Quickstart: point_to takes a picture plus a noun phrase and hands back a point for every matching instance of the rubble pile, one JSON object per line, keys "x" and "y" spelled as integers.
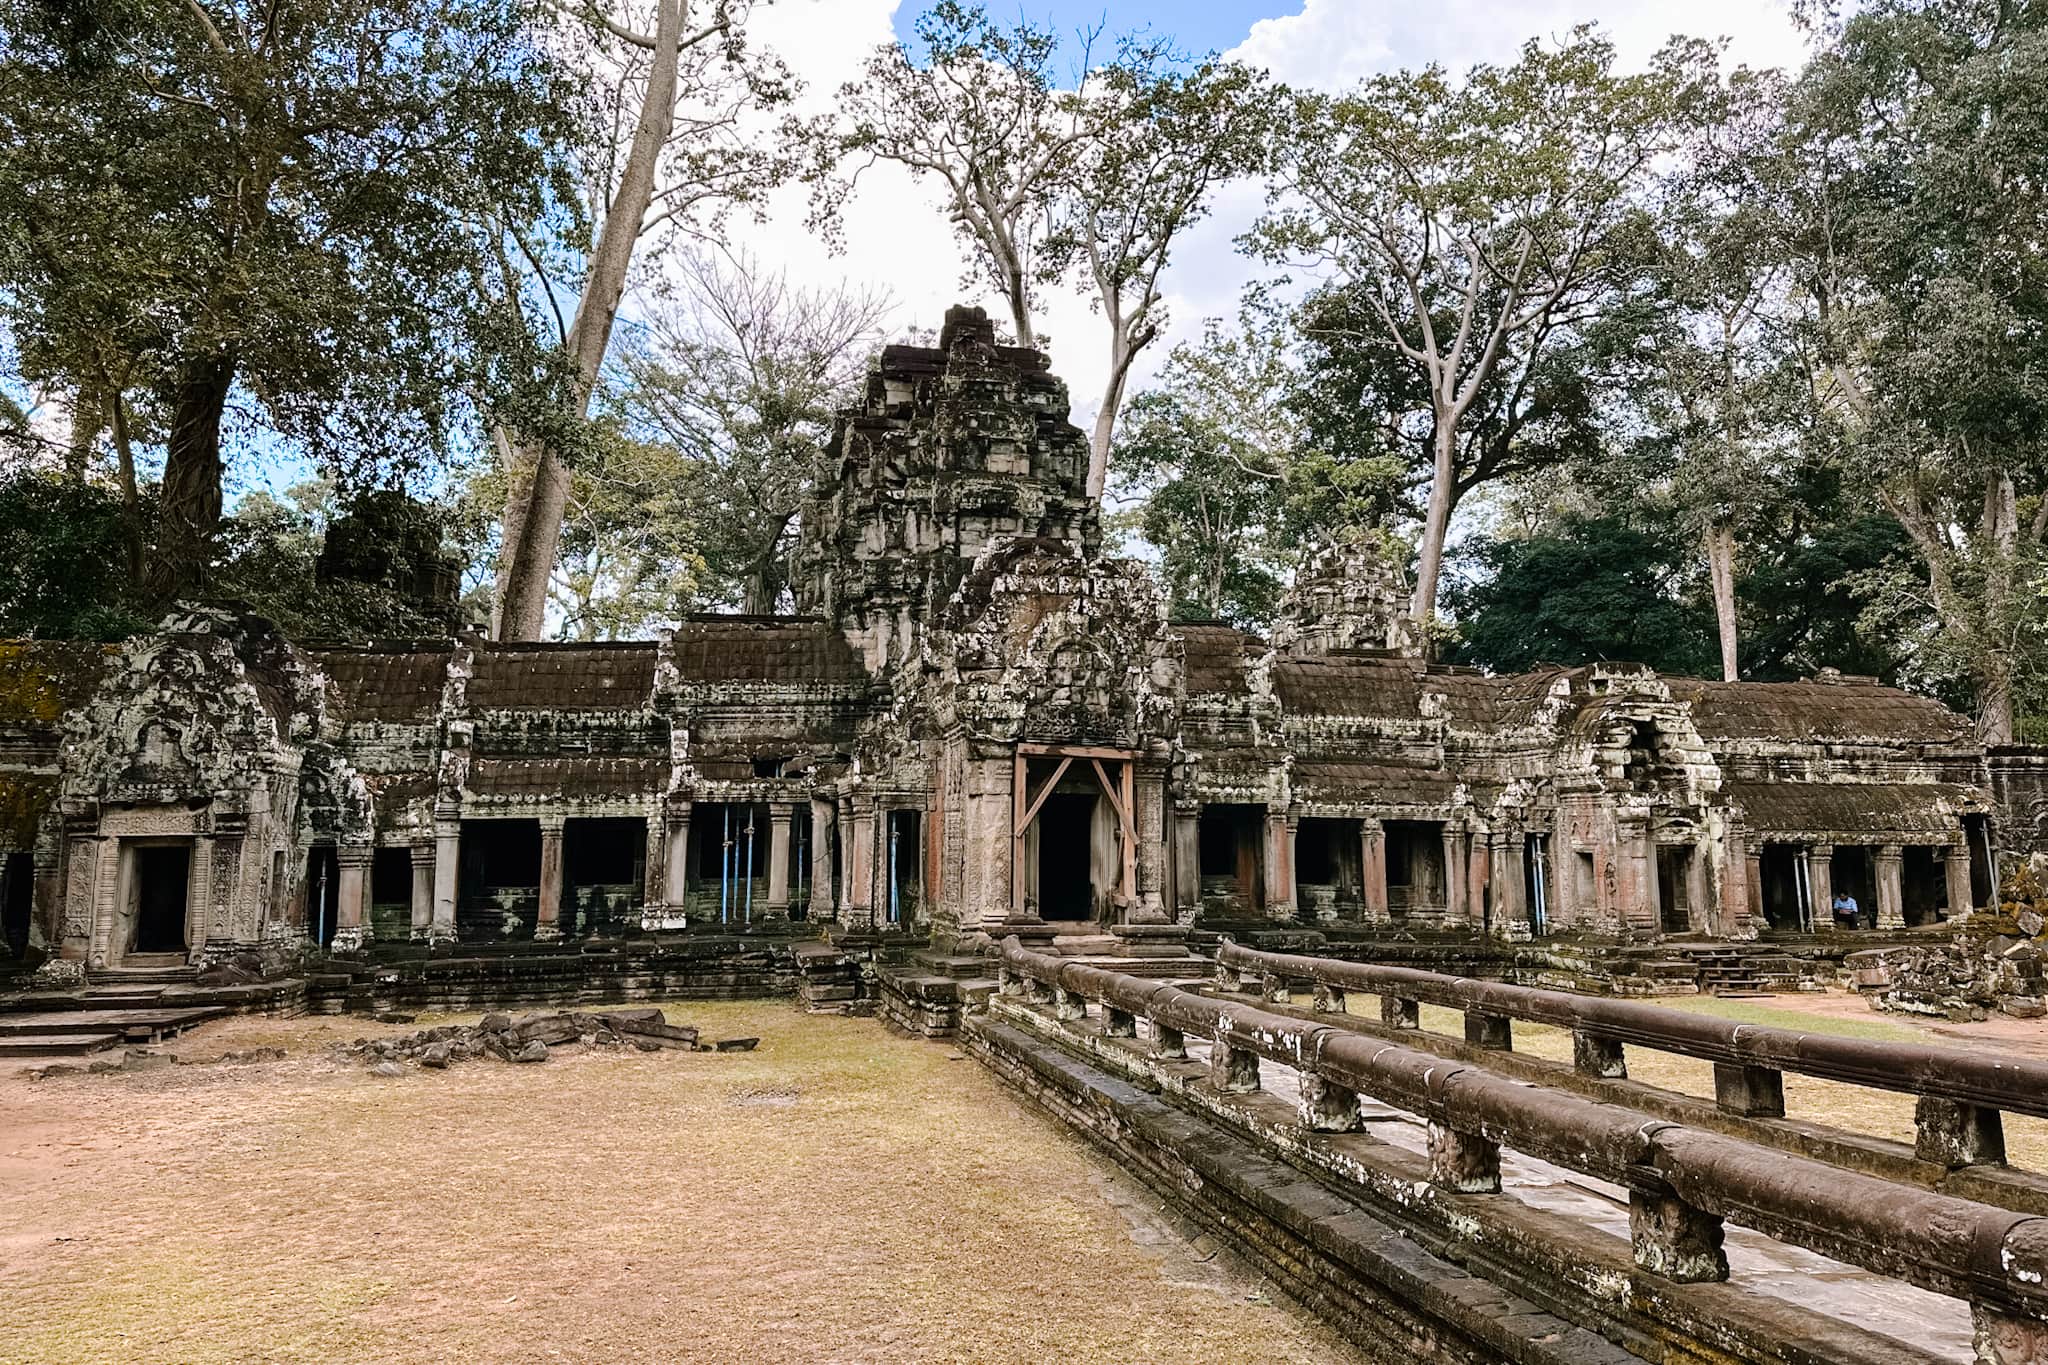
{"x": 528, "y": 1038}
{"x": 1994, "y": 965}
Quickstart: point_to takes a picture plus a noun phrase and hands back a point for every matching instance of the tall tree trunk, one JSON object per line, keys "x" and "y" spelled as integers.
{"x": 530, "y": 549}
{"x": 192, "y": 470}
{"x": 1436, "y": 523}
{"x": 88, "y": 420}
{"x": 1721, "y": 569}
{"x": 1995, "y": 721}
{"x": 131, "y": 499}
{"x": 1121, "y": 354}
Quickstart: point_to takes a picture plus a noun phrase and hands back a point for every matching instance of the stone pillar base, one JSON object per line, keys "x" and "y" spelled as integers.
{"x": 59, "y": 973}
{"x": 350, "y": 938}
{"x": 546, "y": 933}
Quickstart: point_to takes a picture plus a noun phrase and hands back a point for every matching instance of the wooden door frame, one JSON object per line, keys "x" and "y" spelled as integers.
{"x": 1120, "y": 789}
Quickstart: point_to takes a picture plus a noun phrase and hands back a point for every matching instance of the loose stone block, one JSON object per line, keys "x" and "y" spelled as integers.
{"x": 1673, "y": 1239}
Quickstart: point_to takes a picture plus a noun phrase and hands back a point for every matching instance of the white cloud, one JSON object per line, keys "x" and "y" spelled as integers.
{"x": 897, "y": 236}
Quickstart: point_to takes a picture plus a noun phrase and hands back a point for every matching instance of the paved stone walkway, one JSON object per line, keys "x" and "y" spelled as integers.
{"x": 1876, "y": 1303}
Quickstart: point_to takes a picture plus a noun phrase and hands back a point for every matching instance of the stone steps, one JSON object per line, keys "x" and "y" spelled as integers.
{"x": 56, "y": 1044}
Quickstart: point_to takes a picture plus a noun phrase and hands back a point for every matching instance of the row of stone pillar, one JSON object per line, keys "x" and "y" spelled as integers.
{"x": 1888, "y": 864}
{"x": 436, "y": 867}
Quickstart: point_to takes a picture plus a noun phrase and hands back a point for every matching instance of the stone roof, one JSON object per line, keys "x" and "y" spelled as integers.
{"x": 1217, "y": 656}
{"x": 1866, "y": 812}
{"x": 563, "y": 677}
{"x": 390, "y": 684}
{"x": 1349, "y": 685}
{"x": 1851, "y": 709}
{"x": 764, "y": 649}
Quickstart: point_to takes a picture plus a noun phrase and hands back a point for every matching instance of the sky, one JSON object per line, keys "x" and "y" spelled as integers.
{"x": 897, "y": 237}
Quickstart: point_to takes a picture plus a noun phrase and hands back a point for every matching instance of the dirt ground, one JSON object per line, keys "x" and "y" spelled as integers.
{"x": 838, "y": 1194}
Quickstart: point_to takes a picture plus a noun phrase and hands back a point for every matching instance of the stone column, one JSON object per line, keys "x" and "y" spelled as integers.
{"x": 842, "y": 816}
{"x": 106, "y": 889}
{"x": 1372, "y": 870}
{"x": 447, "y": 868}
{"x": 1635, "y": 879}
{"x": 1148, "y": 793}
{"x": 675, "y": 877}
{"x": 1955, "y": 866}
{"x": 821, "y": 859}
{"x": 1508, "y": 877}
{"x": 860, "y": 817}
{"x": 1820, "y": 869}
{"x": 422, "y": 888}
{"x": 654, "y": 865}
{"x": 1479, "y": 876}
{"x": 199, "y": 897}
{"x": 1891, "y": 904}
{"x": 1279, "y": 865}
{"x": 351, "y": 897}
{"x": 1187, "y": 859}
{"x": 1457, "y": 911}
{"x": 780, "y": 816}
{"x": 1738, "y": 906}
{"x": 547, "y": 924}
{"x": 1753, "y": 883}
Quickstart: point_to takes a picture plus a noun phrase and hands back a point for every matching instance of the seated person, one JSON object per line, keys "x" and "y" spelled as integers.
{"x": 1845, "y": 910}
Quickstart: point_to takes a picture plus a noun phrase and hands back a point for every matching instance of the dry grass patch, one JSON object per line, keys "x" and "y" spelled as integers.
{"x": 839, "y": 1194}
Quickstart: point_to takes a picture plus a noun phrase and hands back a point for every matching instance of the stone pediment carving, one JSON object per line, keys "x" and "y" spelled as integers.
{"x": 179, "y": 716}
{"x": 1042, "y": 643}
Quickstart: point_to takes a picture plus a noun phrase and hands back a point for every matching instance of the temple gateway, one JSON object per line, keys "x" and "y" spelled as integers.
{"x": 976, "y": 721}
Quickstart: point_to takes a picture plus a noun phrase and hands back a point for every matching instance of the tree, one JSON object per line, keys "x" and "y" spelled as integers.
{"x": 62, "y": 544}
{"x": 1921, "y": 143}
{"x": 1099, "y": 177}
{"x": 742, "y": 377}
{"x": 690, "y": 97}
{"x": 1165, "y": 139}
{"x": 1205, "y": 455}
{"x": 1584, "y": 589}
{"x": 225, "y": 217}
{"x": 1487, "y": 221}
{"x": 1719, "y": 382}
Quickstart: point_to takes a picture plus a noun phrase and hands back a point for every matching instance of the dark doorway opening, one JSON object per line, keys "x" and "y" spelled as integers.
{"x": 604, "y": 873}
{"x": 1232, "y": 868}
{"x": 498, "y": 891}
{"x": 1416, "y": 881}
{"x": 163, "y": 881}
{"x": 1977, "y": 835}
{"x": 1674, "y": 888}
{"x": 1784, "y": 887}
{"x": 391, "y": 893}
{"x": 17, "y": 901}
{"x": 1855, "y": 873}
{"x": 323, "y": 892}
{"x": 1329, "y": 865}
{"x": 1923, "y": 885}
{"x": 1066, "y": 887}
{"x": 905, "y": 852}
{"x": 730, "y": 858}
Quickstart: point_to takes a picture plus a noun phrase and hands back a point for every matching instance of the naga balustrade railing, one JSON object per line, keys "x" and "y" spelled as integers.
{"x": 1962, "y": 1094}
{"x": 1683, "y": 1182}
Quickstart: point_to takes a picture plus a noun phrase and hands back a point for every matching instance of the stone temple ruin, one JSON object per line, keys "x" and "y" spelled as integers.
{"x": 977, "y": 724}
